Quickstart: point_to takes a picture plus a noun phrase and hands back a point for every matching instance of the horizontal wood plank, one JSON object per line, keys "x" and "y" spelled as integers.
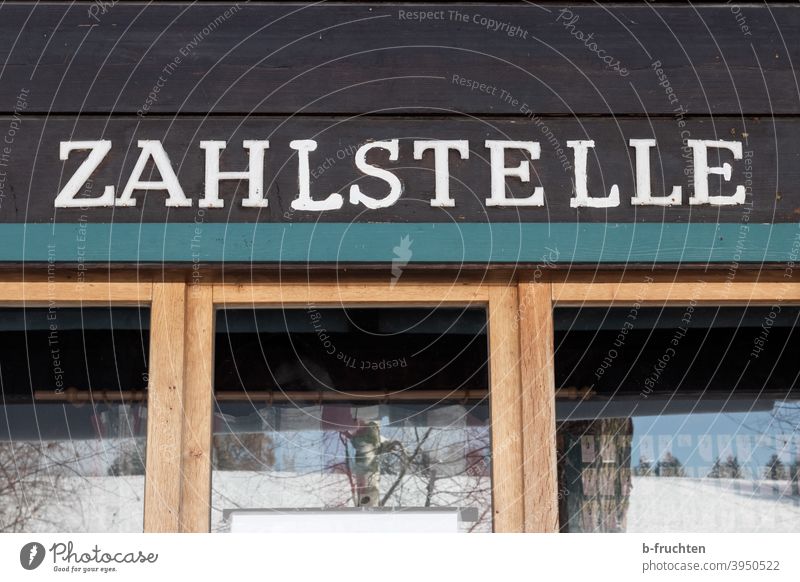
{"x": 347, "y": 294}
{"x": 163, "y": 58}
{"x": 81, "y": 293}
{"x": 647, "y": 291}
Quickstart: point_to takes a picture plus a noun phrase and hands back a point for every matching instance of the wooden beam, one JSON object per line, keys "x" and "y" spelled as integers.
{"x": 506, "y": 406}
{"x": 165, "y": 409}
{"x": 74, "y": 292}
{"x": 72, "y": 395}
{"x": 348, "y": 294}
{"x": 645, "y": 289}
{"x": 195, "y": 510}
{"x": 538, "y": 407}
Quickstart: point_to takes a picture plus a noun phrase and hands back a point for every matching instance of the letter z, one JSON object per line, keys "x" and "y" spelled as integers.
{"x": 98, "y": 151}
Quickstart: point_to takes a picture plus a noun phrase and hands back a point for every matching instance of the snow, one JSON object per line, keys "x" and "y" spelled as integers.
{"x": 657, "y": 504}
{"x": 675, "y": 504}
{"x": 88, "y": 504}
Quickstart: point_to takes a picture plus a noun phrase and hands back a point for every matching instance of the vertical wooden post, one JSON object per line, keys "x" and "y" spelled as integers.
{"x": 164, "y": 409}
{"x": 506, "y": 410}
{"x": 198, "y": 395}
{"x": 538, "y": 407}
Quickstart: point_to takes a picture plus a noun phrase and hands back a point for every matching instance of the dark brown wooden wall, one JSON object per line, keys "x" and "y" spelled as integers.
{"x": 345, "y": 73}
{"x": 369, "y": 58}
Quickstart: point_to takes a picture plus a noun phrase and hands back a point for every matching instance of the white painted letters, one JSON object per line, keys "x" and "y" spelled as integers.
{"x": 702, "y": 172}
{"x": 169, "y": 181}
{"x": 98, "y": 151}
{"x": 441, "y": 165}
{"x": 497, "y": 161}
{"x": 581, "y": 197}
{"x": 254, "y": 174}
{"x": 395, "y": 187}
{"x": 303, "y": 200}
{"x": 644, "y": 195}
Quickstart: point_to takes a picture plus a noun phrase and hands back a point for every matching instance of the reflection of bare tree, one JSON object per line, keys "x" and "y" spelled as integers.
{"x": 439, "y": 466}
{"x": 91, "y": 485}
{"x": 130, "y": 459}
{"x": 243, "y": 452}
{"x": 779, "y": 432}
{"x": 413, "y": 460}
{"x": 394, "y": 466}
{"x": 787, "y": 413}
{"x": 786, "y": 416}
{"x": 369, "y": 460}
{"x": 26, "y": 484}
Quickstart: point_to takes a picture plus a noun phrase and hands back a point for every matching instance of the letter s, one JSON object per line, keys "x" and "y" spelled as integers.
{"x": 395, "y": 187}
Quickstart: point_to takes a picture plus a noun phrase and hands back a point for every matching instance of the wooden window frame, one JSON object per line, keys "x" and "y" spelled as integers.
{"x": 521, "y": 351}
{"x": 168, "y": 303}
{"x": 180, "y": 372}
{"x": 541, "y": 293}
{"x": 500, "y": 302}
{"x": 89, "y": 292}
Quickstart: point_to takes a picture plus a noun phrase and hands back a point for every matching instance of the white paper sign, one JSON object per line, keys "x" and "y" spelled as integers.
{"x": 440, "y": 520}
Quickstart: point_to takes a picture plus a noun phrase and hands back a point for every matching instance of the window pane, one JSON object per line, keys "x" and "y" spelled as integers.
{"x": 686, "y": 419}
{"x": 73, "y": 419}
{"x": 332, "y": 409}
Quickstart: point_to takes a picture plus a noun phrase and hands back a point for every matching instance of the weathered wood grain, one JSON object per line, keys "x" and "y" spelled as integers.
{"x": 159, "y": 58}
{"x": 195, "y": 507}
{"x": 537, "y": 368}
{"x": 508, "y": 488}
{"x": 165, "y": 403}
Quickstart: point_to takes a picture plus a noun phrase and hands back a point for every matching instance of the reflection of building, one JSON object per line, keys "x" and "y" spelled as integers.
{"x": 595, "y": 475}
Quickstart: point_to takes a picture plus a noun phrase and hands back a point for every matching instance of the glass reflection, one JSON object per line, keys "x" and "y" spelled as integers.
{"x": 341, "y": 455}
{"x": 703, "y": 472}
{"x": 72, "y": 468}
{"x": 334, "y": 409}
{"x": 73, "y": 419}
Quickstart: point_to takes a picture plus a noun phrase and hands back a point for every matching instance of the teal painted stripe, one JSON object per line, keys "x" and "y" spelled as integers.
{"x": 381, "y": 243}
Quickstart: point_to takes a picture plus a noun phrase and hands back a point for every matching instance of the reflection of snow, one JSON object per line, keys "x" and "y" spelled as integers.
{"x": 443, "y": 463}
{"x": 89, "y": 504}
{"x": 114, "y": 504}
{"x": 657, "y": 504}
{"x": 70, "y": 486}
{"x": 669, "y": 504}
{"x": 254, "y": 490}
